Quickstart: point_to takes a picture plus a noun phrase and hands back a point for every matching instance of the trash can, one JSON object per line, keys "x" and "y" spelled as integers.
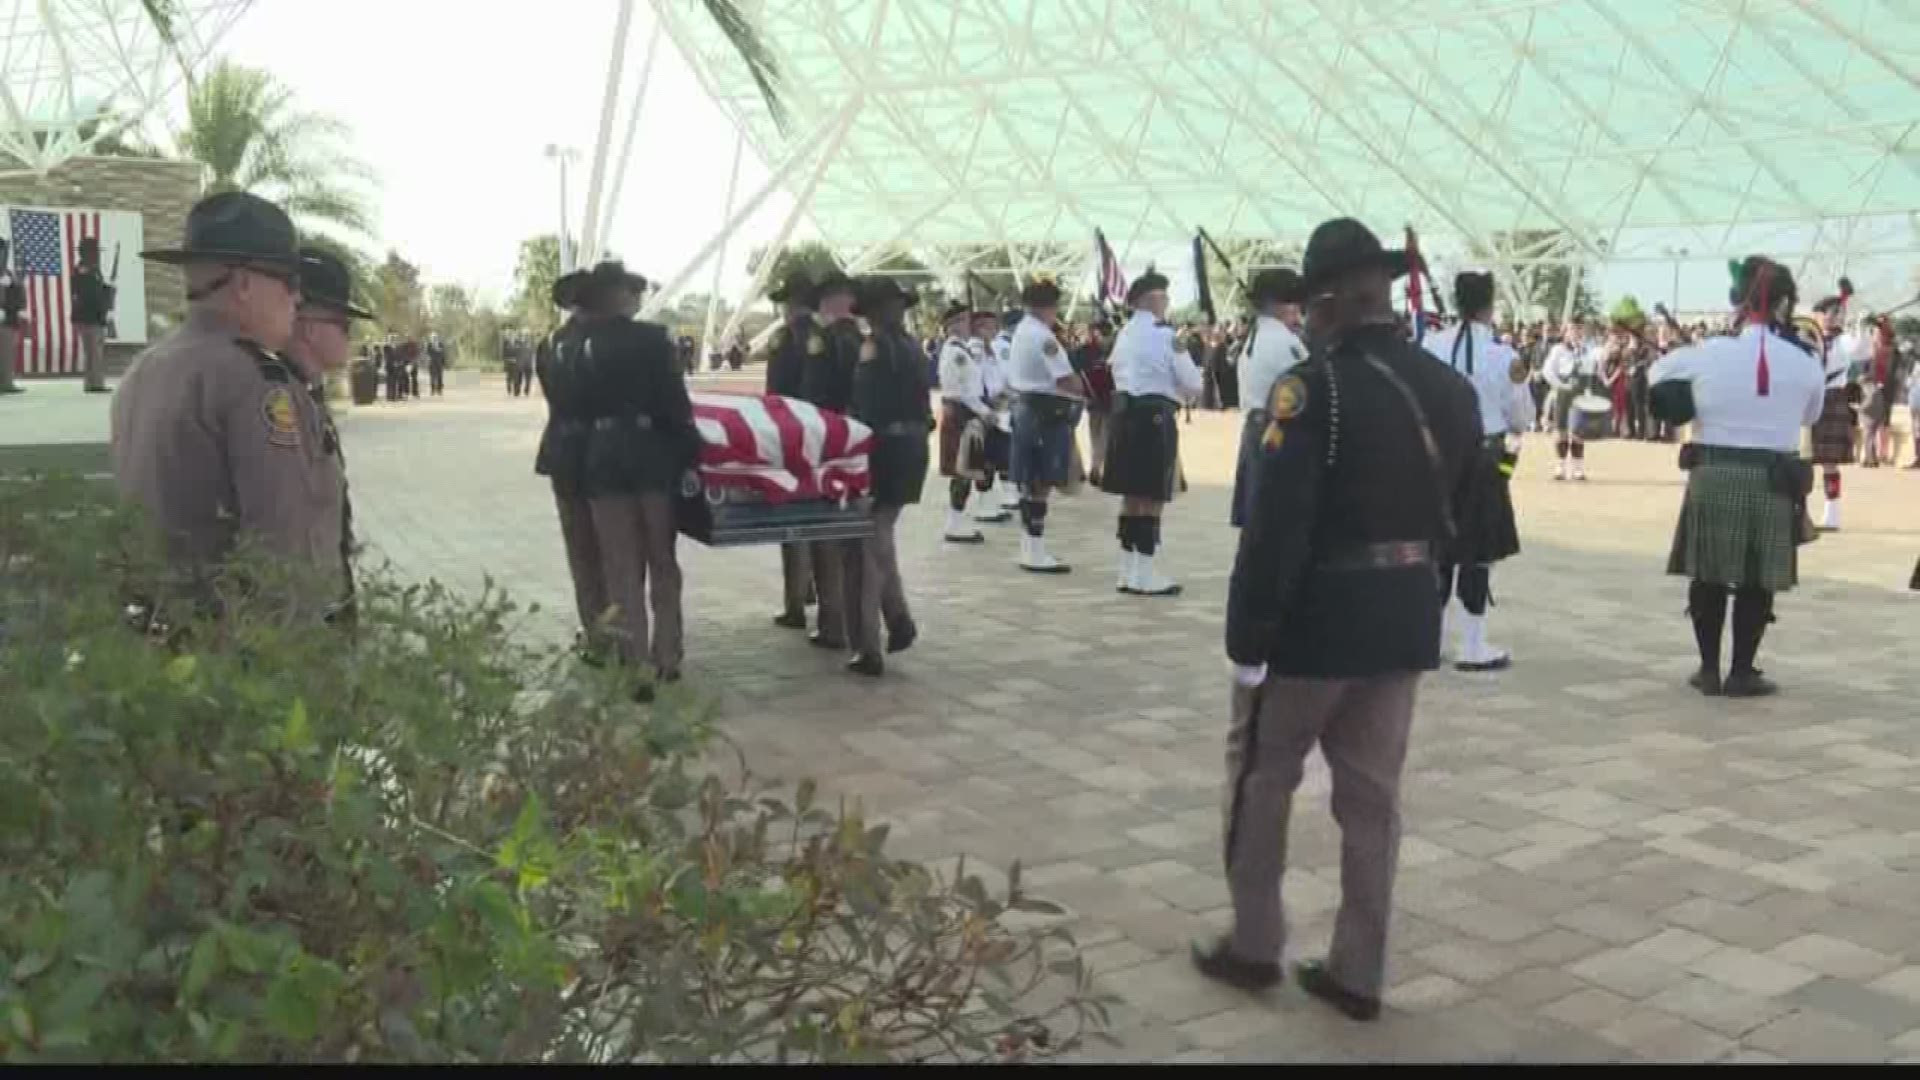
{"x": 366, "y": 384}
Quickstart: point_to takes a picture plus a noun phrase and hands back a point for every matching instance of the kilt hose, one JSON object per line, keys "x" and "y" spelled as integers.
{"x": 1737, "y": 528}
{"x": 1143, "y": 449}
{"x": 1833, "y": 433}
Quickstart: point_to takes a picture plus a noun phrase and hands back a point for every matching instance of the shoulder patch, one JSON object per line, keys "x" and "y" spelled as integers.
{"x": 1051, "y": 348}
{"x": 283, "y": 421}
{"x": 1517, "y": 371}
{"x": 1274, "y": 437}
{"x": 816, "y": 343}
{"x": 868, "y": 351}
{"x": 1288, "y": 399}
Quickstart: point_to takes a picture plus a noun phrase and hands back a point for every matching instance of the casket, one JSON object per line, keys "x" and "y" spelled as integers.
{"x": 773, "y": 470}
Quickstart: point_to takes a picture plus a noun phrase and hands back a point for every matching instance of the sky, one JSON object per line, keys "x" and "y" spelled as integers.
{"x": 453, "y": 103}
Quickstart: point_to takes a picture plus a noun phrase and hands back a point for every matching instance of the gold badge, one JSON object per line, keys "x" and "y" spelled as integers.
{"x": 1289, "y": 397}
{"x": 283, "y": 422}
{"x": 1051, "y": 348}
{"x": 816, "y": 345}
{"x": 1274, "y": 436}
{"x": 1517, "y": 371}
{"x": 868, "y": 352}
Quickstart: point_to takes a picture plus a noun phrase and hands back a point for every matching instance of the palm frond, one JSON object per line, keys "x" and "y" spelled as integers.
{"x": 745, "y": 38}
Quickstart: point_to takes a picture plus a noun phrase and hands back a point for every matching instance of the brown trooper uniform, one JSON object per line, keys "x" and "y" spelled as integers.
{"x": 797, "y": 340}
{"x": 215, "y": 436}
{"x": 562, "y": 458}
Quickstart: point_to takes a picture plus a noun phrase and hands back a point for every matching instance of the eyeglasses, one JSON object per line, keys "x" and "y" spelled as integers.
{"x": 289, "y": 279}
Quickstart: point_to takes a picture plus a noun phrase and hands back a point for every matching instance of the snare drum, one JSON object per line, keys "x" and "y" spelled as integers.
{"x": 1591, "y": 417}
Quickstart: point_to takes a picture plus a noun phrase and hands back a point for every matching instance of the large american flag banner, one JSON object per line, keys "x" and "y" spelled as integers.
{"x": 1112, "y": 286}
{"x": 780, "y": 448}
{"x": 46, "y": 247}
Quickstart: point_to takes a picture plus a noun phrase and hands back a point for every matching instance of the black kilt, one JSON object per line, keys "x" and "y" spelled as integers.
{"x": 898, "y": 463}
{"x": 1488, "y": 532}
{"x": 1143, "y": 447}
{"x": 1833, "y": 433}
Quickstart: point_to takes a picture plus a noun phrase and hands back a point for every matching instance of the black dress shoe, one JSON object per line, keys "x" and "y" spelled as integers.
{"x": 821, "y": 641}
{"x": 99, "y": 389}
{"x": 903, "y": 640}
{"x": 867, "y": 664}
{"x": 1315, "y": 979}
{"x": 1706, "y": 680}
{"x": 1748, "y": 683}
{"x": 1218, "y": 963}
{"x": 790, "y": 620}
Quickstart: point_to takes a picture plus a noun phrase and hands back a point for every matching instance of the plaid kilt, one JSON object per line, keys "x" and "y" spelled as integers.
{"x": 1833, "y": 433}
{"x": 953, "y": 426}
{"x": 1143, "y": 445}
{"x": 1736, "y": 528}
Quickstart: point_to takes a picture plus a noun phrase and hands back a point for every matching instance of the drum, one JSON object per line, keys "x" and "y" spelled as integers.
{"x": 1591, "y": 417}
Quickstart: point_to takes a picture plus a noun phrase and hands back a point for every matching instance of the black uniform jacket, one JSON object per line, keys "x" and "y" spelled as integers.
{"x": 788, "y": 354}
{"x": 92, "y": 298}
{"x": 827, "y": 379}
{"x": 890, "y": 395}
{"x": 641, "y": 436}
{"x": 560, "y": 367}
{"x": 1345, "y": 469}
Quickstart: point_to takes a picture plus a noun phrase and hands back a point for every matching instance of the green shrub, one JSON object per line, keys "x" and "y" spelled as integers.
{"x": 429, "y": 839}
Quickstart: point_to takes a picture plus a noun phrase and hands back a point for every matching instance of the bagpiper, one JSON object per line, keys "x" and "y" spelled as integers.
{"x": 1152, "y": 377}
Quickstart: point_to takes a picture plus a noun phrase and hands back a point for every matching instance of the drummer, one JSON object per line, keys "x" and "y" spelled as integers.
{"x": 1273, "y": 348}
{"x": 1570, "y": 371}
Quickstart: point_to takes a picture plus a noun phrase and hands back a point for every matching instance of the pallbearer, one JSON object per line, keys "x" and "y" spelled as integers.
{"x": 962, "y": 402}
{"x": 1273, "y": 349}
{"x": 1486, "y": 532}
{"x": 1152, "y": 377}
{"x": 795, "y": 342}
{"x": 1050, "y": 397}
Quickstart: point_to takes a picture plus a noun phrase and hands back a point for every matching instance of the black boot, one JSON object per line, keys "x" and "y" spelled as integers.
{"x": 867, "y": 664}
{"x": 1217, "y": 962}
{"x": 1707, "y": 607}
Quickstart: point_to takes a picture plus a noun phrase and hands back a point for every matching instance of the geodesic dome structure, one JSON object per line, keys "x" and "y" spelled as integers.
{"x": 65, "y": 63}
{"x": 1509, "y": 132}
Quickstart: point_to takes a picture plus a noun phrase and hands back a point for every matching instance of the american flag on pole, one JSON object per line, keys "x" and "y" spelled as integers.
{"x": 46, "y": 247}
{"x": 1113, "y": 281}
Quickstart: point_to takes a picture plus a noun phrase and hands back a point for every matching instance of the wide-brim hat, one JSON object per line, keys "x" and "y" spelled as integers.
{"x": 613, "y": 274}
{"x": 797, "y": 287}
{"x": 1040, "y": 294}
{"x": 326, "y": 282}
{"x": 831, "y": 282}
{"x": 234, "y": 226}
{"x": 1276, "y": 284}
{"x": 871, "y": 294}
{"x": 1151, "y": 281}
{"x": 566, "y": 289}
{"x": 1343, "y": 246}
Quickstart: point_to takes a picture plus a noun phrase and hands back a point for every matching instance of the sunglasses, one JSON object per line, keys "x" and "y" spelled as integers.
{"x": 290, "y": 279}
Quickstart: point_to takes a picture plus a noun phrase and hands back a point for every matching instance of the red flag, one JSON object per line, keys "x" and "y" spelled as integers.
{"x": 1416, "y": 311}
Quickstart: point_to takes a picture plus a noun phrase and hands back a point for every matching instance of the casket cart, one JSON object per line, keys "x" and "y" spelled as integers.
{"x": 775, "y": 470}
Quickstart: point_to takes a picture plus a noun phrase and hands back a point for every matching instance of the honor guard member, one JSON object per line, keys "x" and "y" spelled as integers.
{"x": 1273, "y": 349}
{"x": 1000, "y": 500}
{"x": 562, "y": 459}
{"x": 322, "y": 343}
{"x": 213, "y": 434}
{"x": 1152, "y": 377}
{"x": 1332, "y": 613}
{"x": 828, "y": 383}
{"x": 1569, "y": 370}
{"x": 963, "y": 400}
{"x": 1833, "y": 433}
{"x": 13, "y": 300}
{"x": 92, "y": 308}
{"x": 890, "y": 396}
{"x": 640, "y": 444}
{"x": 1487, "y": 533}
{"x": 1044, "y": 415}
{"x": 436, "y": 364}
{"x": 795, "y": 343}
{"x": 1747, "y": 396}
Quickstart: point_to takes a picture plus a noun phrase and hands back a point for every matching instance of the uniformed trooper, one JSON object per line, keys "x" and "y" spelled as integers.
{"x": 562, "y": 459}
{"x": 889, "y": 396}
{"x": 1747, "y": 397}
{"x": 1273, "y": 348}
{"x": 1045, "y": 413}
{"x": 92, "y": 308}
{"x": 963, "y": 402}
{"x": 1488, "y": 532}
{"x": 795, "y": 342}
{"x": 827, "y": 382}
{"x": 1332, "y": 614}
{"x": 1152, "y": 377}
{"x": 213, "y": 433}
{"x": 436, "y": 364}
{"x": 13, "y": 301}
{"x": 640, "y": 444}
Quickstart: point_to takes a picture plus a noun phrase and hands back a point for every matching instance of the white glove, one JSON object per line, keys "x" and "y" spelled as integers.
{"x": 1249, "y": 675}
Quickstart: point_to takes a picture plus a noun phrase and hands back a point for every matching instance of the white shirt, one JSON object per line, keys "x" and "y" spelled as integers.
{"x": 961, "y": 378}
{"x": 1036, "y": 359}
{"x": 1272, "y": 350}
{"x": 1842, "y": 352}
{"x": 1148, "y": 362}
{"x": 1728, "y": 409}
{"x": 1566, "y": 366}
{"x": 1491, "y": 374}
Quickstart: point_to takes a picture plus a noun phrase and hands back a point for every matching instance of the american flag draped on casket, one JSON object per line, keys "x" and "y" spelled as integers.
{"x": 778, "y": 449}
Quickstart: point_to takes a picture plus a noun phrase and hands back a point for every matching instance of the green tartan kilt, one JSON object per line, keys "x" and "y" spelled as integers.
{"x": 1736, "y": 528}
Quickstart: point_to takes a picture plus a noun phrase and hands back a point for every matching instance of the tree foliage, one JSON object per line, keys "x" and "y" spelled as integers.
{"x": 237, "y": 835}
{"x": 534, "y": 273}
{"x": 399, "y": 298}
{"x": 243, "y": 126}
{"x": 811, "y": 256}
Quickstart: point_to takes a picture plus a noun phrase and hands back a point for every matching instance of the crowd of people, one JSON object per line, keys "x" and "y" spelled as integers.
{"x": 396, "y": 363}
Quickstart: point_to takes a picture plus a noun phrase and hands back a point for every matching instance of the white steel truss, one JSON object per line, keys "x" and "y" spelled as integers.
{"x": 1508, "y": 132}
{"x": 67, "y": 64}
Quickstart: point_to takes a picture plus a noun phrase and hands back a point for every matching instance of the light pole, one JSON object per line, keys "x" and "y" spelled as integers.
{"x": 1673, "y": 299}
{"x": 563, "y": 154}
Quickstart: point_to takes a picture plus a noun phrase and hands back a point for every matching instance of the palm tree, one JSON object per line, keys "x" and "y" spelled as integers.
{"x": 753, "y": 52}
{"x": 242, "y": 125}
